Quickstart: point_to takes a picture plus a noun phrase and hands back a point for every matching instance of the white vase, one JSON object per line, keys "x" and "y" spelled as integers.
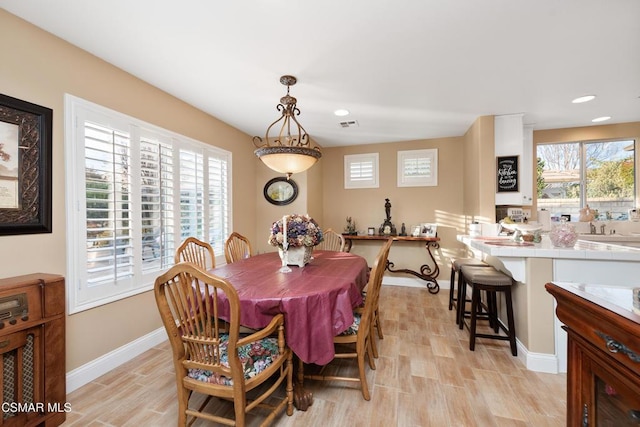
{"x": 299, "y": 255}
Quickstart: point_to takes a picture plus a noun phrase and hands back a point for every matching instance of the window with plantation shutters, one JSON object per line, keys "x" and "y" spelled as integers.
{"x": 135, "y": 192}
{"x": 107, "y": 170}
{"x": 418, "y": 168}
{"x": 218, "y": 205}
{"x": 361, "y": 171}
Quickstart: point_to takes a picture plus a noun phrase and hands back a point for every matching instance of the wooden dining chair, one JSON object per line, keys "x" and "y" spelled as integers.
{"x": 356, "y": 342}
{"x": 237, "y": 247}
{"x": 331, "y": 241}
{"x": 212, "y": 362}
{"x": 196, "y": 251}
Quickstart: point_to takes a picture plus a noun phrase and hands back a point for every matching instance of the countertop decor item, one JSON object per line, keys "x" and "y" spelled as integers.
{"x": 563, "y": 235}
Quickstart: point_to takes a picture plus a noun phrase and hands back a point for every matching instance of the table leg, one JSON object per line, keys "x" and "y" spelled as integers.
{"x": 302, "y": 399}
{"x": 426, "y": 272}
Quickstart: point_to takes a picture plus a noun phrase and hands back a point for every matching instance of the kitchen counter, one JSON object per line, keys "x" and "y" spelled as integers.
{"x": 585, "y": 248}
{"x": 541, "y": 341}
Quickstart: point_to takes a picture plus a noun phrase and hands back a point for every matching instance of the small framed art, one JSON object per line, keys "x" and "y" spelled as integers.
{"x": 428, "y": 229}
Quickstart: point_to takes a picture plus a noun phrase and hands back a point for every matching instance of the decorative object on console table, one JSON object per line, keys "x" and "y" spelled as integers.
{"x": 507, "y": 174}
{"x": 428, "y": 229}
{"x": 350, "y": 228}
{"x": 25, "y": 167}
{"x": 387, "y": 228}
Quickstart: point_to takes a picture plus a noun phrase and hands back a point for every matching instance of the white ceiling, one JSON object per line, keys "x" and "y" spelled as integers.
{"x": 406, "y": 70}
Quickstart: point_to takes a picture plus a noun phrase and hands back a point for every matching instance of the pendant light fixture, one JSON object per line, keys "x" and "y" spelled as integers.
{"x": 286, "y": 147}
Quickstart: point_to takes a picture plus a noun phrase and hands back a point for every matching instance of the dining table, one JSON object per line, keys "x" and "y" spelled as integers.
{"x": 317, "y": 300}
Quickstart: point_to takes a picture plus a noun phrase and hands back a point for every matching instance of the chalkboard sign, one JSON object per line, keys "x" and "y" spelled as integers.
{"x": 507, "y": 175}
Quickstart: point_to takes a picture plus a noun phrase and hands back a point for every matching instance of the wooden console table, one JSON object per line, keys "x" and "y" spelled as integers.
{"x": 427, "y": 272}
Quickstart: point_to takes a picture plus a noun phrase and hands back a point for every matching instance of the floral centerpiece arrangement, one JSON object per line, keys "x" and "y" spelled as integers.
{"x": 302, "y": 230}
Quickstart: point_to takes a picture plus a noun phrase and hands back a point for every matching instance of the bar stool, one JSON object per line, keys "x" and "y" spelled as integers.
{"x": 491, "y": 281}
{"x": 456, "y": 263}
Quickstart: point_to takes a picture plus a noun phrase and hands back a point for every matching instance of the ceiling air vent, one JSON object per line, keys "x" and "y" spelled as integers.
{"x": 349, "y": 124}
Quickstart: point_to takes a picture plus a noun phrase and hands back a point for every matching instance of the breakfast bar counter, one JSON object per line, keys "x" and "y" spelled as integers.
{"x": 541, "y": 341}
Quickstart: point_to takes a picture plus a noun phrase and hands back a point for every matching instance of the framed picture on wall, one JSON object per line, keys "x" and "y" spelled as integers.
{"x": 507, "y": 174}
{"x": 25, "y": 167}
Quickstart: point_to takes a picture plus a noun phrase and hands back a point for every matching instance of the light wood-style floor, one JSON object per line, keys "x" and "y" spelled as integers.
{"x": 425, "y": 376}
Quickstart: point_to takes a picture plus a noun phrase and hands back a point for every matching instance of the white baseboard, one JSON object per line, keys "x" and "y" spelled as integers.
{"x": 411, "y": 282}
{"x": 537, "y": 362}
{"x": 105, "y": 363}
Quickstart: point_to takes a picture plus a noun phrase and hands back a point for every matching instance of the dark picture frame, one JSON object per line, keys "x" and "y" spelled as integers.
{"x": 280, "y": 191}
{"x": 25, "y": 167}
{"x": 507, "y": 178}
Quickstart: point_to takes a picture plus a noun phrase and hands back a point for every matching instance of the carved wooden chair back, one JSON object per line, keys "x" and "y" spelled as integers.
{"x": 237, "y": 247}
{"x": 207, "y": 351}
{"x": 331, "y": 241}
{"x": 197, "y": 252}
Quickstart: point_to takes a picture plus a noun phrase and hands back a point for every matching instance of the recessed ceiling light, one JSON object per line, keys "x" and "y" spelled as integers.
{"x": 585, "y": 98}
{"x": 601, "y": 119}
{"x": 341, "y": 112}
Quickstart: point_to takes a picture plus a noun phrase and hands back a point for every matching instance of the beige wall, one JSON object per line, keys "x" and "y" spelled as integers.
{"x": 40, "y": 68}
{"x": 478, "y": 170}
{"x": 412, "y": 205}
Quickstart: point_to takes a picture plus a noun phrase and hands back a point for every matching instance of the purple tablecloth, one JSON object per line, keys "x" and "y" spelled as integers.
{"x": 317, "y": 300}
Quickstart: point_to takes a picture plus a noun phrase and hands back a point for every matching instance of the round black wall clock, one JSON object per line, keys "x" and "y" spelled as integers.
{"x": 280, "y": 191}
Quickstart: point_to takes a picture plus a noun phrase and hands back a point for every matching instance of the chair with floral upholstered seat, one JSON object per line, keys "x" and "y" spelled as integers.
{"x": 209, "y": 361}
{"x": 356, "y": 341}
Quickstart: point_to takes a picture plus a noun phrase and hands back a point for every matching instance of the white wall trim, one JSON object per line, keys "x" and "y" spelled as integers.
{"x": 107, "y": 362}
{"x": 411, "y": 282}
{"x": 537, "y": 362}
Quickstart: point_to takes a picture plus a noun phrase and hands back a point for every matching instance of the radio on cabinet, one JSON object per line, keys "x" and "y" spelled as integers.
{"x": 32, "y": 351}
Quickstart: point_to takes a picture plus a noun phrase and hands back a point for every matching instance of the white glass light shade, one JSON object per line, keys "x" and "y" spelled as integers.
{"x": 288, "y": 160}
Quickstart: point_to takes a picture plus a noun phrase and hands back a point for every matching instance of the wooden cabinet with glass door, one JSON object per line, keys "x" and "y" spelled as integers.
{"x": 603, "y": 372}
